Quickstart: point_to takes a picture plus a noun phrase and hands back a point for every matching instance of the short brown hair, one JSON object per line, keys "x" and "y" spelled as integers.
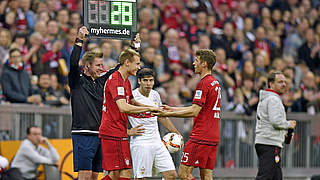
{"x": 272, "y": 76}
{"x": 89, "y": 56}
{"x": 127, "y": 54}
{"x": 145, "y": 72}
{"x": 207, "y": 55}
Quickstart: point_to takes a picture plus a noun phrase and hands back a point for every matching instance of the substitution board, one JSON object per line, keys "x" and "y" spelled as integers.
{"x": 114, "y": 19}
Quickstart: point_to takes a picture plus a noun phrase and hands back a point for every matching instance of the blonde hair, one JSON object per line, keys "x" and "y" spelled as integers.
{"x": 89, "y": 56}
{"x": 127, "y": 54}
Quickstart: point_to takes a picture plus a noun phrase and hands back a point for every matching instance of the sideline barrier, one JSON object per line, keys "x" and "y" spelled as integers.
{"x": 236, "y": 157}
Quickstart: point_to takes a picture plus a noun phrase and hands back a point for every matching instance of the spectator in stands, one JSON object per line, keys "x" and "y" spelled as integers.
{"x": 63, "y": 20}
{"x": 66, "y": 50}
{"x": 262, "y": 44}
{"x": 41, "y": 27}
{"x": 170, "y": 15}
{"x": 148, "y": 54}
{"x": 108, "y": 61}
{"x": 295, "y": 39}
{"x": 5, "y": 42}
{"x": 309, "y": 52}
{"x": 50, "y": 59}
{"x": 248, "y": 29}
{"x": 144, "y": 34}
{"x": 163, "y": 67}
{"x": 309, "y": 98}
{"x": 75, "y": 20}
{"x": 53, "y": 30}
{"x": 204, "y": 41}
{"x": 297, "y": 72}
{"x": 278, "y": 64}
{"x": 248, "y": 70}
{"x": 20, "y": 42}
{"x": 47, "y": 93}
{"x": 226, "y": 41}
{"x": 59, "y": 90}
{"x": 31, "y": 154}
{"x": 9, "y": 22}
{"x": 199, "y": 28}
{"x": 148, "y": 4}
{"x": 248, "y": 96}
{"x": 16, "y": 82}
{"x": 260, "y": 65}
{"x": 171, "y": 43}
{"x": 28, "y": 13}
{"x": 37, "y": 49}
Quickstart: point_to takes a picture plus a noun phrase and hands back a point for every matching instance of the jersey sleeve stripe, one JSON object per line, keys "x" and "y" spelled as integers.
{"x": 119, "y": 97}
{"x": 198, "y": 103}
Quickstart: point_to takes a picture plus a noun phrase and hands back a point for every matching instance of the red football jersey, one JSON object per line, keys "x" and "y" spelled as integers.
{"x": 114, "y": 123}
{"x": 206, "y": 124}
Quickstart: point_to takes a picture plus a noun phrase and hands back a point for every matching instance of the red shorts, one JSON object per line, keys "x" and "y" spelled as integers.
{"x": 115, "y": 154}
{"x": 199, "y": 155}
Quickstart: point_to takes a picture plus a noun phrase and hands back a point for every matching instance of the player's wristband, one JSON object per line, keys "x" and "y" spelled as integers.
{"x": 78, "y": 41}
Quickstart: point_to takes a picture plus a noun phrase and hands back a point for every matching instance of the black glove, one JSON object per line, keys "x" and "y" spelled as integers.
{"x": 289, "y": 136}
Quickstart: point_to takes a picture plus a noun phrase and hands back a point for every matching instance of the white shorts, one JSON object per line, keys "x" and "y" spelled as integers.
{"x": 145, "y": 155}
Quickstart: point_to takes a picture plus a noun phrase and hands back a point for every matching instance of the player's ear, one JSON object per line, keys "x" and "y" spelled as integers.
{"x": 204, "y": 64}
{"x": 86, "y": 66}
{"x": 127, "y": 61}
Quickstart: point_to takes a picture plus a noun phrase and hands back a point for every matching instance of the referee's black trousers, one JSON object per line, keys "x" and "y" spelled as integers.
{"x": 269, "y": 162}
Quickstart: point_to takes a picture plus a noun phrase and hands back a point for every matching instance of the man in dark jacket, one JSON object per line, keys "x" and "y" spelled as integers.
{"x": 16, "y": 82}
{"x": 86, "y": 101}
{"x": 87, "y": 89}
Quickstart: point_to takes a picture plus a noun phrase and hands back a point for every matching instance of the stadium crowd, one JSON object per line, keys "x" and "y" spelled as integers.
{"x": 250, "y": 38}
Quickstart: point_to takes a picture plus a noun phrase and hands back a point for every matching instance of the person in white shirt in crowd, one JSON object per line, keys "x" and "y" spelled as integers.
{"x": 31, "y": 154}
{"x": 147, "y": 148}
{"x": 3, "y": 163}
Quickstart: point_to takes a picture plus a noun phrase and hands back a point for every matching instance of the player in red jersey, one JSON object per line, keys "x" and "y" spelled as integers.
{"x": 118, "y": 102}
{"x": 201, "y": 148}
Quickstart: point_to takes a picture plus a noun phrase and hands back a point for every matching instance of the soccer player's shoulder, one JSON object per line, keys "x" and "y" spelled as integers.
{"x": 155, "y": 93}
{"x": 113, "y": 77}
{"x": 136, "y": 93}
{"x": 213, "y": 81}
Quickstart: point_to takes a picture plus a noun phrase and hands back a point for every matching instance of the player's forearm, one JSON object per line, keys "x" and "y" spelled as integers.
{"x": 168, "y": 124}
{"x": 131, "y": 109}
{"x": 183, "y": 112}
{"x": 177, "y": 108}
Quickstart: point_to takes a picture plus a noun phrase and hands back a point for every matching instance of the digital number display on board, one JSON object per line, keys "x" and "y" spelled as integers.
{"x": 115, "y": 19}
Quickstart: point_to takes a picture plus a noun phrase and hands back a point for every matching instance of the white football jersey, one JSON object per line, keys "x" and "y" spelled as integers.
{"x": 150, "y": 123}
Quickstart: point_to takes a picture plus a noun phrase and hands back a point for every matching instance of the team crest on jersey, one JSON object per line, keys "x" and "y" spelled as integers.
{"x": 120, "y": 91}
{"x": 198, "y": 94}
{"x": 127, "y": 162}
{"x": 155, "y": 101}
{"x": 143, "y": 170}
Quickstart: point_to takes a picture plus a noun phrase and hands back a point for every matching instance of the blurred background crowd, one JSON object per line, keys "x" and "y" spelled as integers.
{"x": 250, "y": 38}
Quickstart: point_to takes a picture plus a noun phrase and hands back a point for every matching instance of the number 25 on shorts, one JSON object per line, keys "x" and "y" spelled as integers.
{"x": 184, "y": 157}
